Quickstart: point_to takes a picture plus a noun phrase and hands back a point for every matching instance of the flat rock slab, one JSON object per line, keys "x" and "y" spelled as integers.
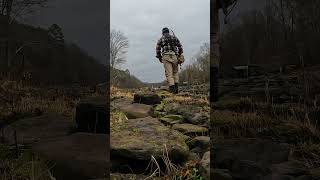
{"x": 261, "y": 151}
{"x": 91, "y": 115}
{"x": 251, "y": 158}
{"x": 202, "y": 142}
{"x": 190, "y": 129}
{"x": 171, "y": 119}
{"x": 221, "y": 174}
{"x": 78, "y": 156}
{"x": 134, "y": 111}
{"x": 293, "y": 168}
{"x": 41, "y": 128}
{"x": 147, "y": 98}
{"x": 139, "y": 139}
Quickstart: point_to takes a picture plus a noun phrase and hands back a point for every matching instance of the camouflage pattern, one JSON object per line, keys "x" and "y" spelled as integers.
{"x": 168, "y": 43}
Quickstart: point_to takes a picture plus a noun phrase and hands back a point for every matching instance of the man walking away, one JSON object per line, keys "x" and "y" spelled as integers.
{"x": 169, "y": 50}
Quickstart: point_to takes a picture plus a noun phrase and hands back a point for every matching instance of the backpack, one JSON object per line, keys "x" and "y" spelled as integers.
{"x": 180, "y": 59}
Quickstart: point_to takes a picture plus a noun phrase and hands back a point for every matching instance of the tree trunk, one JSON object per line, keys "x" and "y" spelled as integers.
{"x": 215, "y": 48}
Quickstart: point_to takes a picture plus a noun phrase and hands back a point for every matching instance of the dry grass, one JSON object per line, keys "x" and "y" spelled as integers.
{"x": 117, "y": 119}
{"x": 286, "y": 123}
{"x": 187, "y": 100}
{"x": 61, "y": 105}
{"x": 26, "y": 167}
{"x": 120, "y": 93}
{"x": 307, "y": 152}
{"x": 19, "y": 101}
{"x": 172, "y": 172}
{"x": 251, "y": 118}
{"x": 227, "y": 123}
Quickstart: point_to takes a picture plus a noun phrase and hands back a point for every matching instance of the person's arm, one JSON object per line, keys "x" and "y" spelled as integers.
{"x": 179, "y": 46}
{"x": 158, "y": 50}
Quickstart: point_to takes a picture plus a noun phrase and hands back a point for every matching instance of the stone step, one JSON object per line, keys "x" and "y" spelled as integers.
{"x": 36, "y": 129}
{"x": 79, "y": 156}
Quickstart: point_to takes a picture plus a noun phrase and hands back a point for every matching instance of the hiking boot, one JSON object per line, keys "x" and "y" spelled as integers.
{"x": 176, "y": 88}
{"x": 172, "y": 89}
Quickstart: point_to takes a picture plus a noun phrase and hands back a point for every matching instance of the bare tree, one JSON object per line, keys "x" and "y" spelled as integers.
{"x": 9, "y": 11}
{"x": 16, "y": 9}
{"x": 119, "y": 45}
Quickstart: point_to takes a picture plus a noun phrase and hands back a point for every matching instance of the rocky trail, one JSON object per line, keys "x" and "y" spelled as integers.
{"x": 260, "y": 130}
{"x": 147, "y": 130}
{"x": 73, "y": 149}
{"x": 170, "y": 129}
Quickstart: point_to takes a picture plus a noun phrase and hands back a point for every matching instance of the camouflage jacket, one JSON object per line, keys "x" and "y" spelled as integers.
{"x": 168, "y": 43}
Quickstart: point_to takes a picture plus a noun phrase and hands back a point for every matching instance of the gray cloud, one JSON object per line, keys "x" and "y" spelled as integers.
{"x": 142, "y": 21}
{"x": 84, "y": 22}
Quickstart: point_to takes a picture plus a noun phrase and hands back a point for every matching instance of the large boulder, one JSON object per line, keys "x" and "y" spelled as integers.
{"x": 79, "y": 156}
{"x": 266, "y": 152}
{"x": 293, "y": 168}
{"x": 147, "y": 98}
{"x": 251, "y": 170}
{"x": 135, "y": 110}
{"x": 200, "y": 119}
{"x": 251, "y": 158}
{"x": 35, "y": 129}
{"x": 136, "y": 140}
{"x": 91, "y": 115}
{"x": 201, "y": 142}
{"x": 189, "y": 112}
{"x": 220, "y": 174}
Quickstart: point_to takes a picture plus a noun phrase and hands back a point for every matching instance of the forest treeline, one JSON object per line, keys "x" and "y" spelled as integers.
{"x": 284, "y": 32}
{"x": 44, "y": 55}
{"x": 198, "y": 71}
{"x": 123, "y": 79}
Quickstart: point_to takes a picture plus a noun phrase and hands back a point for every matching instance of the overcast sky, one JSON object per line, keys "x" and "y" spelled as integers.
{"x": 84, "y": 23}
{"x": 142, "y": 21}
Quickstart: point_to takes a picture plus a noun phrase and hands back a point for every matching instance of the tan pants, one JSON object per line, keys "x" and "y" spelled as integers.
{"x": 171, "y": 67}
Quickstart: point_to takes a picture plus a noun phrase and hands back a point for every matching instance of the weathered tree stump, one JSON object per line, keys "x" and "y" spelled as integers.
{"x": 92, "y": 115}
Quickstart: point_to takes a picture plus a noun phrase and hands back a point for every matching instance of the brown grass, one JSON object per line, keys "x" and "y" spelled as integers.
{"x": 120, "y": 93}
